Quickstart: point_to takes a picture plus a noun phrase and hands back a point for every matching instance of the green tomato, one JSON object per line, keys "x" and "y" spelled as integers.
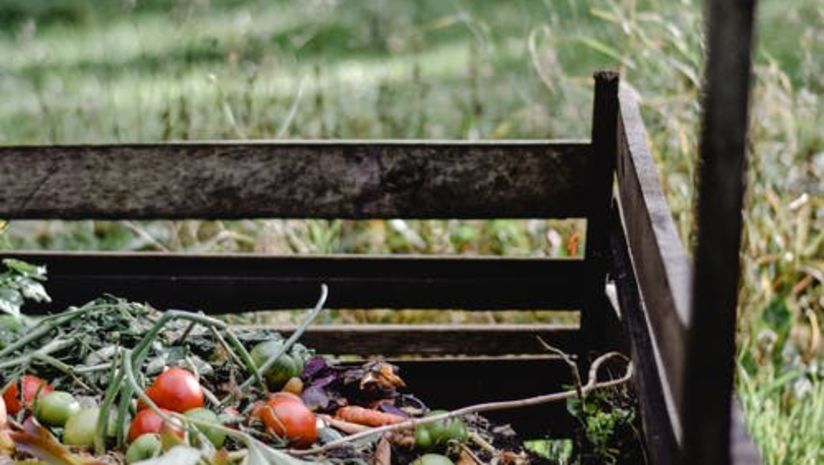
{"x": 287, "y": 366}
{"x": 215, "y": 436}
{"x": 440, "y": 433}
{"x": 55, "y": 408}
{"x": 80, "y": 428}
{"x": 144, "y": 447}
{"x": 433, "y": 459}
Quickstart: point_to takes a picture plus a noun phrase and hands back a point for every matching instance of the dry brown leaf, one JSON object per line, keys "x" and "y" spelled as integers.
{"x": 511, "y": 458}
{"x": 468, "y": 458}
{"x": 383, "y": 453}
{"x": 384, "y": 375}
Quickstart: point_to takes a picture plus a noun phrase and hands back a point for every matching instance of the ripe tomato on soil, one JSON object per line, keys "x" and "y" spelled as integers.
{"x": 286, "y": 416}
{"x": 148, "y": 421}
{"x": 177, "y": 390}
{"x": 30, "y": 386}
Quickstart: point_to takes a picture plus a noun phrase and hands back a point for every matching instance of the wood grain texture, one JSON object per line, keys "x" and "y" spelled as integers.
{"x": 662, "y": 425}
{"x": 235, "y": 283}
{"x": 296, "y": 179}
{"x": 721, "y": 185}
{"x": 602, "y": 168}
{"x": 393, "y": 340}
{"x": 661, "y": 265}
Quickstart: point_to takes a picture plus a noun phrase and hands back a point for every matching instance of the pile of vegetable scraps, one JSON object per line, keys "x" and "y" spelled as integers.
{"x": 114, "y": 382}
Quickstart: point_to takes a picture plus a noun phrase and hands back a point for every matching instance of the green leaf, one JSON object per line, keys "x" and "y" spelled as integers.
{"x": 25, "y": 269}
{"x": 778, "y": 316}
{"x": 10, "y": 301}
{"x": 33, "y": 290}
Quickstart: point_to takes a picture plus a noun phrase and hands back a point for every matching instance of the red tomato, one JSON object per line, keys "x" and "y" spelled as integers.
{"x": 31, "y": 384}
{"x": 287, "y": 417}
{"x": 177, "y": 390}
{"x": 148, "y": 421}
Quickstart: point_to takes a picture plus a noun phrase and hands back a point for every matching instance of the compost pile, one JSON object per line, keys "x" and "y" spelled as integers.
{"x": 116, "y": 382}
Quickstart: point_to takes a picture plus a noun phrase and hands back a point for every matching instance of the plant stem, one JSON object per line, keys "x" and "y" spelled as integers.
{"x": 591, "y": 385}
{"x": 115, "y": 380}
{"x": 310, "y": 316}
{"x": 246, "y": 357}
{"x": 44, "y": 328}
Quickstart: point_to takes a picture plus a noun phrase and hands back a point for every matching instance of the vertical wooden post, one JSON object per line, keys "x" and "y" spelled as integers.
{"x": 711, "y": 341}
{"x": 594, "y": 316}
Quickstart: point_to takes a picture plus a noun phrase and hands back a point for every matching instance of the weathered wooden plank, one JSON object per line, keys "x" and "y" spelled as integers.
{"x": 722, "y": 174}
{"x": 393, "y": 340}
{"x": 602, "y": 168}
{"x": 296, "y": 179}
{"x": 662, "y": 426}
{"x": 454, "y": 383}
{"x": 234, "y": 283}
{"x": 658, "y": 258}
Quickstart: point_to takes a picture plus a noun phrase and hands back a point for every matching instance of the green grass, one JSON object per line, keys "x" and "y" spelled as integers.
{"x": 195, "y": 69}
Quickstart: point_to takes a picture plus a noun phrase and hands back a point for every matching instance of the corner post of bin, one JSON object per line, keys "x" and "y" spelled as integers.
{"x": 597, "y": 324}
{"x": 711, "y": 340}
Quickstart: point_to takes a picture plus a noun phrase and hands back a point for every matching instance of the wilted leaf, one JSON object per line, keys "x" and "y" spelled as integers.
{"x": 261, "y": 454}
{"x": 51, "y": 452}
{"x": 466, "y": 458}
{"x": 382, "y": 374}
{"x": 383, "y": 453}
{"x": 178, "y": 455}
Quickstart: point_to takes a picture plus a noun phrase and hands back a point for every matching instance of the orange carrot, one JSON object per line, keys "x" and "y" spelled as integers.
{"x": 365, "y": 416}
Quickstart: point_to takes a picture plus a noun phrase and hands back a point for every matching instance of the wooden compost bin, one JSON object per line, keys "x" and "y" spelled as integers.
{"x": 677, "y": 324}
{"x": 631, "y": 245}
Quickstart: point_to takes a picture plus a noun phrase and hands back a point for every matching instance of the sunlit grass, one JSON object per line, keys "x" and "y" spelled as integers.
{"x": 462, "y": 69}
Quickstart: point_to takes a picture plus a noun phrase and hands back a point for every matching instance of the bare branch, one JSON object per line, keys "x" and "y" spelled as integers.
{"x": 592, "y": 384}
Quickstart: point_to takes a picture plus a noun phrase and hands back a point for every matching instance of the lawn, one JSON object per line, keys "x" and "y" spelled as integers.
{"x": 119, "y": 71}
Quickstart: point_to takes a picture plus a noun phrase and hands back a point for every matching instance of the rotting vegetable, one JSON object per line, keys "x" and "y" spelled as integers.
{"x": 286, "y": 367}
{"x": 144, "y": 447}
{"x": 433, "y": 459}
{"x": 80, "y": 428}
{"x": 21, "y": 394}
{"x": 286, "y": 417}
{"x": 55, "y": 408}
{"x": 176, "y": 390}
{"x": 147, "y": 421}
{"x": 204, "y": 416}
{"x": 153, "y": 381}
{"x": 439, "y": 434}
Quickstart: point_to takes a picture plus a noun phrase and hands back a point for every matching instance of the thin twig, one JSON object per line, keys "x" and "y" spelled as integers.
{"x": 592, "y": 384}
{"x": 573, "y": 367}
{"x": 482, "y": 443}
{"x": 468, "y": 451}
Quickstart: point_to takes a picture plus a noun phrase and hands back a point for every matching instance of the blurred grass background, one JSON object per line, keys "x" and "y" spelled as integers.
{"x": 82, "y": 71}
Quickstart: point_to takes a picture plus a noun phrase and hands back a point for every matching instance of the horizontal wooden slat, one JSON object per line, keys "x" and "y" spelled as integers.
{"x": 437, "y": 340}
{"x": 244, "y": 282}
{"x": 661, "y": 266}
{"x": 296, "y": 179}
{"x": 454, "y": 383}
